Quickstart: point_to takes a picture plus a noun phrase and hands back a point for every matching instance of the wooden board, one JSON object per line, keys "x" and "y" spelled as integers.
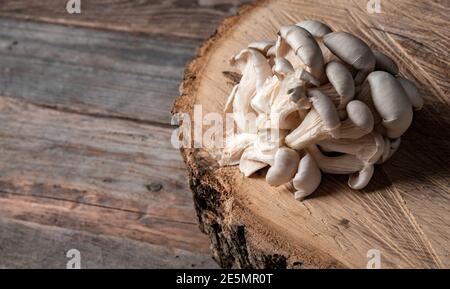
{"x": 85, "y": 156}
{"x": 403, "y": 213}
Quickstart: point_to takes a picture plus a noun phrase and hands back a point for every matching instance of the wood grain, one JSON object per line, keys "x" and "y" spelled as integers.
{"x": 403, "y": 212}
{"x": 85, "y": 157}
{"x": 90, "y": 71}
{"x": 97, "y": 175}
{"x": 46, "y": 247}
{"x": 193, "y": 19}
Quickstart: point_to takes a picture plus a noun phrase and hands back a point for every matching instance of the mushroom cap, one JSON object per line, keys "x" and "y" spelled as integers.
{"x": 284, "y": 167}
{"x": 412, "y": 91}
{"x": 342, "y": 80}
{"x": 325, "y": 108}
{"x": 385, "y": 63}
{"x": 305, "y": 47}
{"x": 351, "y": 50}
{"x": 391, "y": 102}
{"x": 262, "y": 46}
{"x": 282, "y": 67}
{"x": 359, "y": 180}
{"x": 316, "y": 28}
{"x": 308, "y": 177}
{"x": 306, "y": 77}
{"x": 359, "y": 113}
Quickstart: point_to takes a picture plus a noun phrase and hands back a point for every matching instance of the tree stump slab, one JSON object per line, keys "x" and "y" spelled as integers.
{"x": 403, "y": 213}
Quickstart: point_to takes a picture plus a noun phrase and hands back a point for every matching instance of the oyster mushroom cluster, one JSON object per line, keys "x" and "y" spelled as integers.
{"x": 316, "y": 101}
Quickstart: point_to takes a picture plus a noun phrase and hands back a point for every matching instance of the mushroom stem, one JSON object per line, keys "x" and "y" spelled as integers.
{"x": 255, "y": 71}
{"x": 344, "y": 164}
{"x": 360, "y": 171}
{"x": 368, "y": 148}
{"x": 321, "y": 122}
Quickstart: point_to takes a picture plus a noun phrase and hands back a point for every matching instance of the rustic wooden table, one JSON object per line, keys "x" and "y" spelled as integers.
{"x": 85, "y": 155}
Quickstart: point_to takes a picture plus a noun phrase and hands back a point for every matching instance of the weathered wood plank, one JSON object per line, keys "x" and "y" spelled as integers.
{"x": 91, "y": 71}
{"x": 104, "y": 220}
{"x": 29, "y": 245}
{"x": 100, "y": 175}
{"x": 194, "y": 19}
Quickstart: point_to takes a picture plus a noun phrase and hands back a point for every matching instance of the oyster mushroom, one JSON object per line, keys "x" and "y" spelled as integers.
{"x": 307, "y": 179}
{"x": 369, "y": 147}
{"x": 255, "y": 71}
{"x": 385, "y": 63}
{"x": 390, "y": 147}
{"x": 353, "y": 51}
{"x": 248, "y": 165}
{"x": 342, "y": 81}
{"x": 234, "y": 147}
{"x": 262, "y": 46}
{"x": 413, "y": 93}
{"x": 360, "y": 166}
{"x": 284, "y": 167}
{"x": 290, "y": 99}
{"x": 301, "y": 49}
{"x": 320, "y": 123}
{"x": 318, "y": 30}
{"x": 359, "y": 120}
{"x": 391, "y": 102}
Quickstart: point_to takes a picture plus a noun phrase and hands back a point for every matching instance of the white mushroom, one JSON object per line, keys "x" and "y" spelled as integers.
{"x": 255, "y": 71}
{"x": 319, "y": 30}
{"x": 369, "y": 147}
{"x": 262, "y": 46}
{"x": 316, "y": 91}
{"x": 412, "y": 91}
{"x": 234, "y": 147}
{"x": 307, "y": 178}
{"x": 385, "y": 63}
{"x": 320, "y": 123}
{"x": 342, "y": 80}
{"x": 301, "y": 43}
{"x": 284, "y": 167}
{"x": 391, "y": 102}
{"x": 353, "y": 51}
{"x": 360, "y": 167}
{"x": 316, "y": 28}
{"x": 359, "y": 120}
{"x": 248, "y": 165}
{"x": 390, "y": 147}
